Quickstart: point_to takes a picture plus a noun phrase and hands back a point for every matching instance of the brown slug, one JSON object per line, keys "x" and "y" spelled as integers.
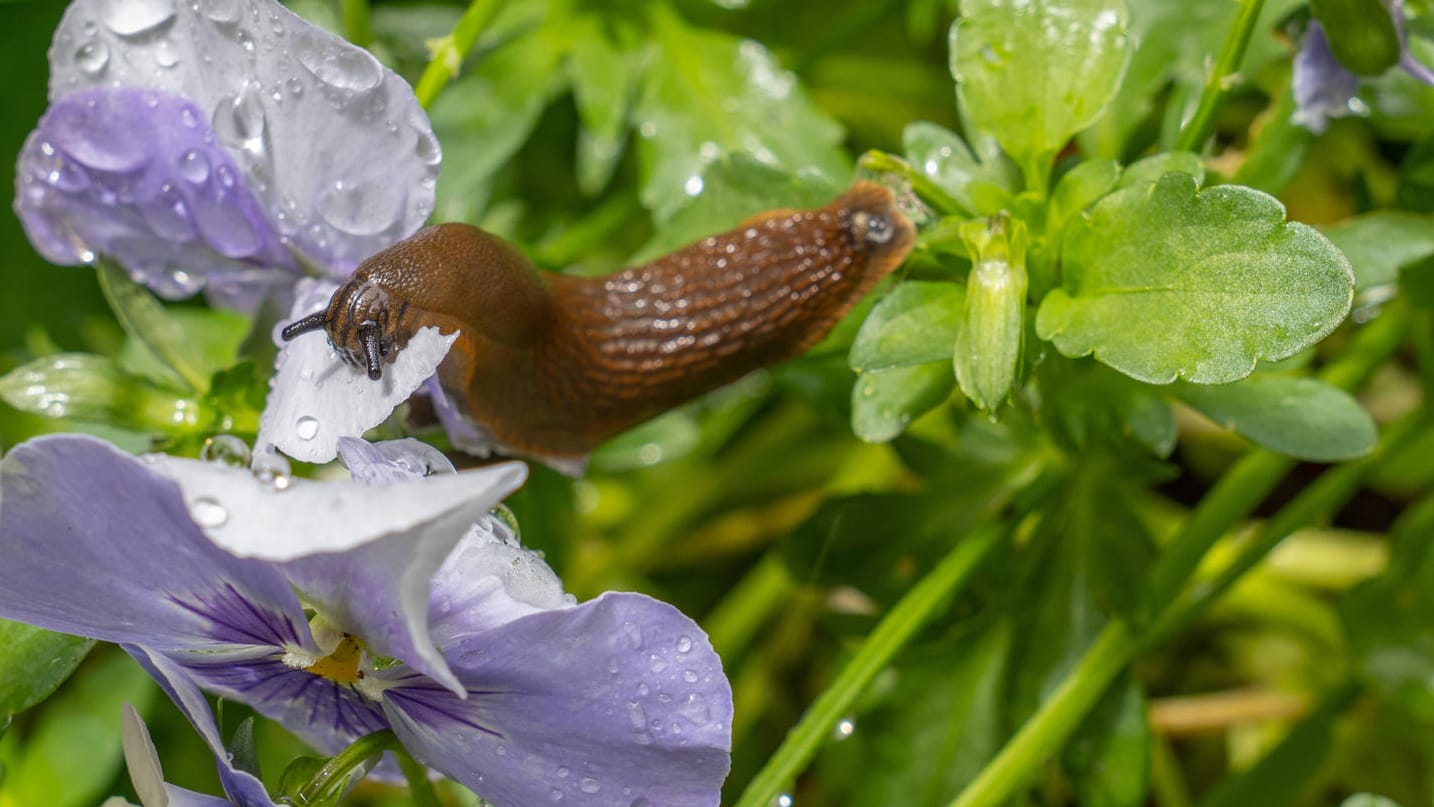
{"x": 551, "y": 365}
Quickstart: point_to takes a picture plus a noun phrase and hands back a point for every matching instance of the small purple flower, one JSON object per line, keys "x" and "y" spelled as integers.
{"x": 427, "y": 618}
{"x": 230, "y": 146}
{"x": 1324, "y": 89}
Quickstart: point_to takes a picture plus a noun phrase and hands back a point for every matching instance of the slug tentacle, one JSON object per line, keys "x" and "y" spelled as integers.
{"x": 553, "y": 366}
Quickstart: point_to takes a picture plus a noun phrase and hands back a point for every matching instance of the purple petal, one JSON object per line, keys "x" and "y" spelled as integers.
{"x": 487, "y": 581}
{"x": 243, "y": 788}
{"x": 136, "y": 175}
{"x": 249, "y": 517}
{"x": 619, "y": 701}
{"x": 94, "y": 543}
{"x": 315, "y": 398}
{"x": 1322, "y": 86}
{"x": 334, "y": 145}
{"x": 391, "y": 461}
{"x": 147, "y": 775}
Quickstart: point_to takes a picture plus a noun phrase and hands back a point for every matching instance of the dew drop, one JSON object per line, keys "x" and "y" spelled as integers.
{"x": 208, "y": 512}
{"x": 306, "y": 427}
{"x": 225, "y": 11}
{"x": 555, "y": 794}
{"x": 684, "y": 644}
{"x": 427, "y": 148}
{"x": 346, "y": 68}
{"x": 66, "y": 176}
{"x": 589, "y": 785}
{"x": 92, "y": 57}
{"x": 563, "y": 772}
{"x": 226, "y": 450}
{"x": 690, "y": 676}
{"x": 168, "y": 216}
{"x": 844, "y": 729}
{"x": 239, "y": 119}
{"x": 245, "y": 40}
{"x": 194, "y": 167}
{"x": 165, "y": 54}
{"x": 364, "y": 208}
{"x": 693, "y": 185}
{"x": 131, "y": 17}
{"x": 271, "y": 470}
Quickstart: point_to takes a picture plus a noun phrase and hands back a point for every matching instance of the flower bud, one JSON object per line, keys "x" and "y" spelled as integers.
{"x": 988, "y": 346}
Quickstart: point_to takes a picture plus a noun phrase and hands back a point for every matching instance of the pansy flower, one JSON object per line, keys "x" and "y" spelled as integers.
{"x": 1325, "y": 89}
{"x": 344, "y": 608}
{"x": 229, "y": 146}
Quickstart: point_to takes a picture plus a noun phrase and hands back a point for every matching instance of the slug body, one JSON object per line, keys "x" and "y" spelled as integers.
{"x": 551, "y": 365}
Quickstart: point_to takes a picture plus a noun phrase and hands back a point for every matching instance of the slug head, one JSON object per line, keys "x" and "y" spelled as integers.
{"x": 359, "y": 325}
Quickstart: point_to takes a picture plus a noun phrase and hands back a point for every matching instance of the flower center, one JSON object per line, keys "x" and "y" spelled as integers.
{"x": 342, "y": 665}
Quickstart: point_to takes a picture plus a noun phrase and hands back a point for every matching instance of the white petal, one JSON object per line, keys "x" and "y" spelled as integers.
{"x": 333, "y": 143}
{"x": 141, "y": 759}
{"x": 315, "y": 398}
{"x": 251, "y": 518}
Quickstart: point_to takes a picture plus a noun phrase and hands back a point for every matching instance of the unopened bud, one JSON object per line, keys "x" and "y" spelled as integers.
{"x": 988, "y": 346}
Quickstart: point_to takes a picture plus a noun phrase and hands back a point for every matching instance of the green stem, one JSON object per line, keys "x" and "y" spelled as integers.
{"x": 1202, "y": 124}
{"x": 336, "y": 771}
{"x": 357, "y": 28}
{"x": 914, "y": 609}
{"x": 420, "y": 787}
{"x": 450, "y": 51}
{"x": 882, "y": 163}
{"x": 1225, "y": 505}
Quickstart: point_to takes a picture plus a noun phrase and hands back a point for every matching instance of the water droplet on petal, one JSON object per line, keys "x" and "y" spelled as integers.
{"x": 130, "y": 17}
{"x": 684, "y": 644}
{"x": 224, "y": 11}
{"x": 361, "y": 209}
{"x": 563, "y": 772}
{"x": 555, "y": 794}
{"x": 208, "y": 512}
{"x": 65, "y": 175}
{"x": 272, "y": 470}
{"x": 634, "y": 634}
{"x": 306, "y": 427}
{"x": 346, "y": 68}
{"x": 194, "y": 166}
{"x": 226, "y": 450}
{"x": 589, "y": 785}
{"x": 427, "y": 148}
{"x": 239, "y": 119}
{"x": 92, "y": 57}
{"x": 168, "y": 216}
{"x": 165, "y": 54}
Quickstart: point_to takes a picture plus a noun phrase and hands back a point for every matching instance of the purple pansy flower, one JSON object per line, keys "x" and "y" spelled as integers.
{"x": 230, "y": 146}
{"x": 1325, "y": 89}
{"x": 423, "y": 617}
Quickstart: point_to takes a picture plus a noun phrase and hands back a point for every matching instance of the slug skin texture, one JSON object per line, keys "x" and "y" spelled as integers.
{"x": 552, "y": 365}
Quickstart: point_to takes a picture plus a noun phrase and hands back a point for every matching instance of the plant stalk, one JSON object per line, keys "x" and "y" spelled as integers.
{"x": 450, "y": 51}
{"x": 1222, "y": 77}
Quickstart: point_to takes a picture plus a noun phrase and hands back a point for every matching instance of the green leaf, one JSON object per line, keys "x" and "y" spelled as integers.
{"x": 707, "y": 94}
{"x": 1361, "y": 34}
{"x": 1304, "y": 418}
{"x": 604, "y": 67}
{"x": 1032, "y": 74}
{"x": 1108, "y": 759}
{"x": 153, "y": 327}
{"x": 1164, "y": 282}
{"x": 1100, "y": 408}
{"x": 979, "y": 183}
{"x": 1151, "y": 169}
{"x": 1379, "y": 244}
{"x": 1078, "y": 189}
{"x": 33, "y": 662}
{"x": 212, "y": 337}
{"x": 486, "y": 115}
{"x": 72, "y": 753}
{"x": 81, "y": 386}
{"x": 884, "y": 402}
{"x": 916, "y": 323}
{"x": 1367, "y": 800}
{"x": 735, "y": 188}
